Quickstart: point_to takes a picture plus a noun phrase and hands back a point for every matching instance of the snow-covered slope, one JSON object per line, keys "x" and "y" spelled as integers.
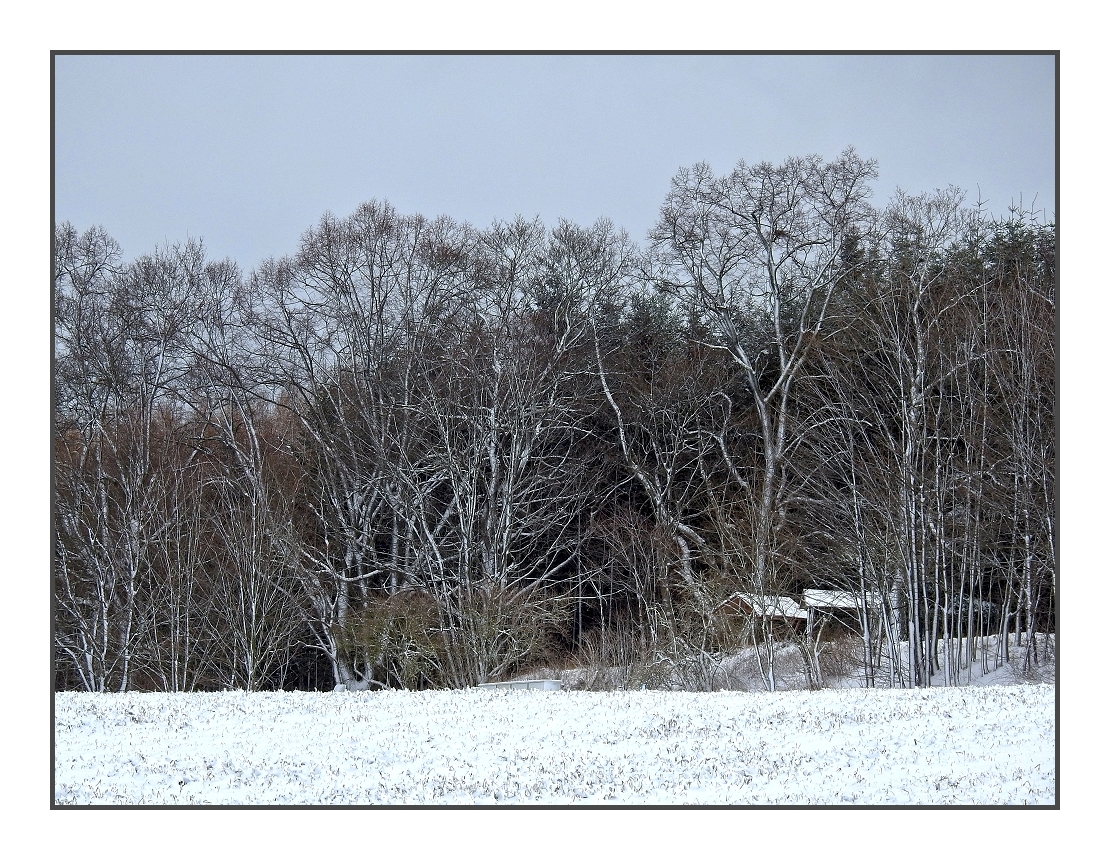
{"x": 982, "y": 745}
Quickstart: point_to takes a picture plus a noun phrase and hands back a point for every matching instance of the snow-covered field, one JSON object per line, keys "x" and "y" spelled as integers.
{"x": 978, "y": 745}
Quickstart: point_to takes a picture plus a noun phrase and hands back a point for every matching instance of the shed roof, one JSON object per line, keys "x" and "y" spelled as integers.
{"x": 825, "y": 598}
{"x": 775, "y": 606}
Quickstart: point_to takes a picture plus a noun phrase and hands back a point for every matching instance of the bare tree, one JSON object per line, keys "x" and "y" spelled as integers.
{"x": 915, "y": 485}
{"x": 119, "y": 336}
{"x": 338, "y": 325}
{"x": 758, "y": 255}
{"x": 253, "y": 619}
{"x": 496, "y": 498}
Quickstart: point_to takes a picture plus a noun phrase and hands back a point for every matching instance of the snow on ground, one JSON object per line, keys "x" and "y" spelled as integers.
{"x": 841, "y": 660}
{"x": 969, "y": 745}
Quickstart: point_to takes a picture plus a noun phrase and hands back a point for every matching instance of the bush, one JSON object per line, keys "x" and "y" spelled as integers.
{"x": 396, "y": 638}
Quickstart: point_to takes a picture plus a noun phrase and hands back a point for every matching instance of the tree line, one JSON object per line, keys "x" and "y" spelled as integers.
{"x": 419, "y": 454}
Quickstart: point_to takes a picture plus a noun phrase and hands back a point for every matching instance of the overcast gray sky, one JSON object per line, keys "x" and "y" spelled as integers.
{"x": 249, "y": 151}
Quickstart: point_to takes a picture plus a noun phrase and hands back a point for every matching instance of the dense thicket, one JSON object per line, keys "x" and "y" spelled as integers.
{"x": 415, "y": 453}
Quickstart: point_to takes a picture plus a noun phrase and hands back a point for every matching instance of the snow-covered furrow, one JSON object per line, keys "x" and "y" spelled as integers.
{"x": 989, "y": 745}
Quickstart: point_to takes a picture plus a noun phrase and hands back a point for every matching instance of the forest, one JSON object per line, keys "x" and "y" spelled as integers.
{"x": 418, "y": 454}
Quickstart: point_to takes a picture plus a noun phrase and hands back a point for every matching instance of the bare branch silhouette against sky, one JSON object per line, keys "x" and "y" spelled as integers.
{"x": 247, "y": 151}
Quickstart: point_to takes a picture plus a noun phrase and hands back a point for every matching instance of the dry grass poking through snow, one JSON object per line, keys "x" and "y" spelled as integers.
{"x": 984, "y": 745}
